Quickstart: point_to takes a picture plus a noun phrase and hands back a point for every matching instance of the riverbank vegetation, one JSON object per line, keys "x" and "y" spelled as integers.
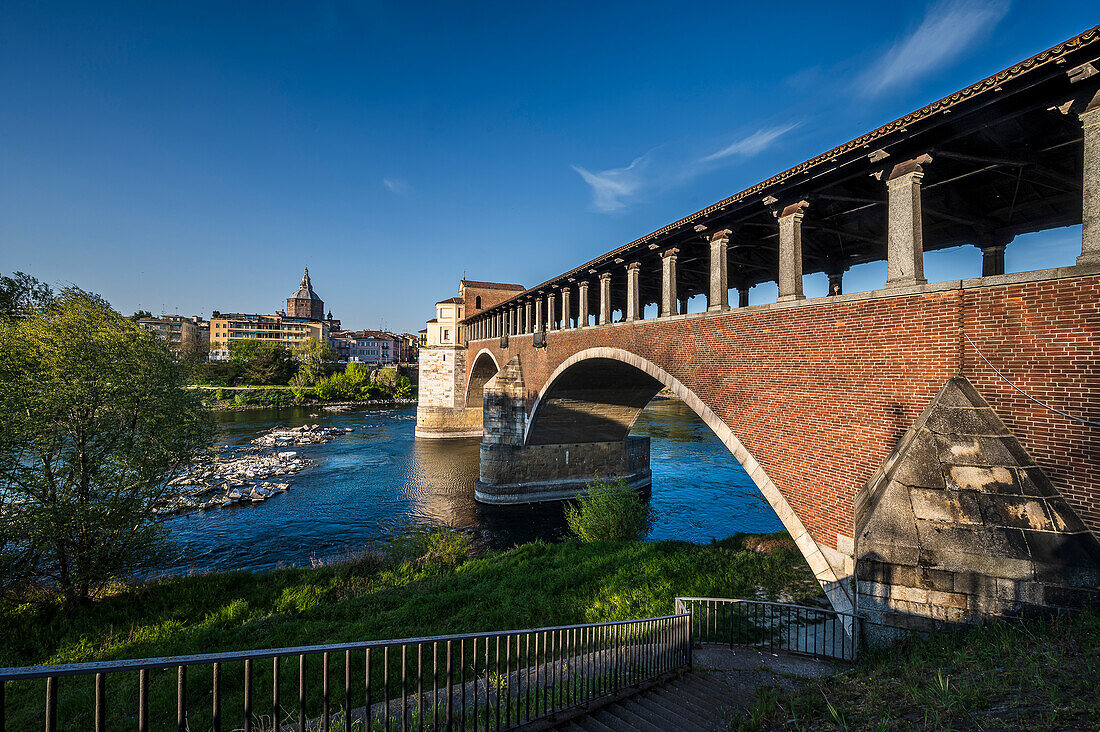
{"x": 357, "y": 384}
{"x": 1018, "y": 675}
{"x": 96, "y": 422}
{"x": 610, "y": 511}
{"x": 427, "y": 584}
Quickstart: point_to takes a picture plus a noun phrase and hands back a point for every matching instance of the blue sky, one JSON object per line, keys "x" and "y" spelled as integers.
{"x": 193, "y": 156}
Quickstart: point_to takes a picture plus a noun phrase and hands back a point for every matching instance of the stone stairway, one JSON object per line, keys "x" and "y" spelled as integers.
{"x": 721, "y": 687}
{"x": 694, "y": 702}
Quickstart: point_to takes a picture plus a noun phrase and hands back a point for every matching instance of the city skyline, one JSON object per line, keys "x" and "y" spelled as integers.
{"x": 182, "y": 163}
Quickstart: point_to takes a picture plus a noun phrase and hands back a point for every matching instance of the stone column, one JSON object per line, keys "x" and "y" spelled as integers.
{"x": 565, "y": 314}
{"x": 993, "y": 260}
{"x": 605, "y": 298}
{"x": 719, "y": 278}
{"x": 1090, "y": 210}
{"x": 582, "y": 305}
{"x": 551, "y": 312}
{"x": 683, "y": 306}
{"x": 528, "y": 324}
{"x": 743, "y": 296}
{"x": 540, "y": 324}
{"x": 633, "y": 291}
{"x": 790, "y": 252}
{"x": 836, "y": 283}
{"x": 905, "y": 266}
{"x": 502, "y": 324}
{"x": 668, "y": 282}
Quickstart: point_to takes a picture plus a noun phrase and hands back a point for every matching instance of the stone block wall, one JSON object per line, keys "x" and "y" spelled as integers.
{"x": 441, "y": 410}
{"x": 531, "y": 473}
{"x": 960, "y": 524}
{"x": 504, "y": 415}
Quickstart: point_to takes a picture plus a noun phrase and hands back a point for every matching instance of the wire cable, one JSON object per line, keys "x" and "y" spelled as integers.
{"x": 1044, "y": 406}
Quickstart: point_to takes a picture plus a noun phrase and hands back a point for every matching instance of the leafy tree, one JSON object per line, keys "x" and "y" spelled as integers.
{"x": 139, "y": 314}
{"x": 300, "y": 384}
{"x": 611, "y": 511}
{"x": 386, "y": 378}
{"x": 357, "y": 374}
{"x": 21, "y": 294}
{"x": 313, "y": 357}
{"x": 403, "y": 388}
{"x": 95, "y": 423}
{"x": 263, "y": 362}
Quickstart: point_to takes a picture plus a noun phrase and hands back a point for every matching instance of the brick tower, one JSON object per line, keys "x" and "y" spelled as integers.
{"x": 305, "y": 303}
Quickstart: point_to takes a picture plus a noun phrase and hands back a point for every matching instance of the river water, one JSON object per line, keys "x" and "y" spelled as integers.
{"x": 379, "y": 479}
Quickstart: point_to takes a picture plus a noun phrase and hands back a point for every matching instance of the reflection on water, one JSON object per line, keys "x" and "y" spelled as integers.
{"x": 379, "y": 478}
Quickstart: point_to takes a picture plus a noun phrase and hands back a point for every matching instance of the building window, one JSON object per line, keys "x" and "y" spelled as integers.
{"x": 446, "y": 334}
{"x": 477, "y": 302}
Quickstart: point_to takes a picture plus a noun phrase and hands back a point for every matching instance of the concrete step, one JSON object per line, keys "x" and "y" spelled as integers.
{"x": 677, "y": 705}
{"x": 629, "y": 714}
{"x": 690, "y": 703}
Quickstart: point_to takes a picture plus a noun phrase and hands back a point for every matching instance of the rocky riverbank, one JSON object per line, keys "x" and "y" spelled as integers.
{"x": 247, "y": 475}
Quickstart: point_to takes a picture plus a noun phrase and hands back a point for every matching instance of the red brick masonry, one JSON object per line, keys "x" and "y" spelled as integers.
{"x": 820, "y": 392}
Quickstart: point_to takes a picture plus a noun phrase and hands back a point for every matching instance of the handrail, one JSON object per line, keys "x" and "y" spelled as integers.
{"x": 791, "y": 605}
{"x": 494, "y": 680}
{"x": 136, "y": 664}
{"x": 813, "y": 631}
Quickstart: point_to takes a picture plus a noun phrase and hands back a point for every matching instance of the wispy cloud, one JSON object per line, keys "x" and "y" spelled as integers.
{"x": 754, "y": 144}
{"x": 397, "y": 186}
{"x": 945, "y": 32}
{"x": 613, "y": 188}
{"x": 671, "y": 165}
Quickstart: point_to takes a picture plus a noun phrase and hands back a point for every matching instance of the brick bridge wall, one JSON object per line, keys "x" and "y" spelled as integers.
{"x": 820, "y": 391}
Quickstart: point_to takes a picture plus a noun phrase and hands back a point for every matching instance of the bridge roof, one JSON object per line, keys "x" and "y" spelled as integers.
{"x": 1011, "y": 138}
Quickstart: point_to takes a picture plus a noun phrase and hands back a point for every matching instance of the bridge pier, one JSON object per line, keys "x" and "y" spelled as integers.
{"x": 513, "y": 472}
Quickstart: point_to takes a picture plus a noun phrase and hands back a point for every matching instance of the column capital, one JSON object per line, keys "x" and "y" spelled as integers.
{"x": 795, "y": 209}
{"x": 913, "y": 168}
{"x": 719, "y": 235}
{"x": 670, "y": 253}
{"x": 633, "y": 266}
{"x": 605, "y": 275}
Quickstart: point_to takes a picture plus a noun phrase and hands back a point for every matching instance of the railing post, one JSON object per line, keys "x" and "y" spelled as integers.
{"x": 690, "y": 639}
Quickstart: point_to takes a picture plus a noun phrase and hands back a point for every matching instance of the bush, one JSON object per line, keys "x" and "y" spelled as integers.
{"x": 611, "y": 511}
{"x": 435, "y": 546}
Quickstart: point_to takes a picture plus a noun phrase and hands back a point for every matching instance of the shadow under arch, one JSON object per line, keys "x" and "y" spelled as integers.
{"x": 485, "y": 367}
{"x": 596, "y": 395}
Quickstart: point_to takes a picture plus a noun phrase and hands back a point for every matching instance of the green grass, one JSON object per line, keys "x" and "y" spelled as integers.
{"x": 1019, "y": 675}
{"x": 533, "y": 585}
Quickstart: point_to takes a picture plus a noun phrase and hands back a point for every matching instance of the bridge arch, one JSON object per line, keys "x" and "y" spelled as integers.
{"x": 484, "y": 367}
{"x": 599, "y": 392}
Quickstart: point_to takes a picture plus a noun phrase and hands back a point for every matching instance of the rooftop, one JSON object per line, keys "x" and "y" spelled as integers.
{"x": 1011, "y": 137}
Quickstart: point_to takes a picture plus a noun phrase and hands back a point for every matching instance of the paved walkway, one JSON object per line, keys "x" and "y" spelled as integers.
{"x": 723, "y": 683}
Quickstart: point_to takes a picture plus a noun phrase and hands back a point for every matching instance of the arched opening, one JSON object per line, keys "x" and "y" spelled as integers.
{"x": 597, "y": 395}
{"x": 485, "y": 367}
{"x": 477, "y": 302}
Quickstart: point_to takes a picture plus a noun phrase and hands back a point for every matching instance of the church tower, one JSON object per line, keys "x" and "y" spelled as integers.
{"x": 305, "y": 303}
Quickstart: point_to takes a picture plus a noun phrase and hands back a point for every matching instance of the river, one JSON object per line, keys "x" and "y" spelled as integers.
{"x": 379, "y": 479}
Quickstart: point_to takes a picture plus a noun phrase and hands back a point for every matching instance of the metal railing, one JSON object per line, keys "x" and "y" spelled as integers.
{"x": 481, "y": 681}
{"x": 772, "y": 626}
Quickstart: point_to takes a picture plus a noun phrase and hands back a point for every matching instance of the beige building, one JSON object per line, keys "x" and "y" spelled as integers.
{"x": 178, "y": 330}
{"x": 285, "y": 329}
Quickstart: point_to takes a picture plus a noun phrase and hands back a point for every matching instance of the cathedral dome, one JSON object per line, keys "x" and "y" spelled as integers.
{"x": 305, "y": 290}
